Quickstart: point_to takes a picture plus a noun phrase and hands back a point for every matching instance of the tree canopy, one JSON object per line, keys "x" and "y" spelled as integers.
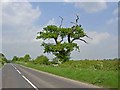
{"x": 63, "y": 37}
{"x": 26, "y": 57}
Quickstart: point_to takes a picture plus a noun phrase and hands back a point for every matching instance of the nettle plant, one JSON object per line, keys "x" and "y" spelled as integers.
{"x": 63, "y": 38}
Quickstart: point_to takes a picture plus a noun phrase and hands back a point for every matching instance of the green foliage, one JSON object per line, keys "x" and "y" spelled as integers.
{"x": 93, "y": 64}
{"x": 26, "y": 58}
{"x": 41, "y": 60}
{"x": 15, "y": 58}
{"x": 21, "y": 59}
{"x": 3, "y": 59}
{"x": 62, "y": 48}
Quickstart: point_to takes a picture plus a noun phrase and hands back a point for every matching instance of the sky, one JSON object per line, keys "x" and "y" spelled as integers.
{"x": 22, "y": 20}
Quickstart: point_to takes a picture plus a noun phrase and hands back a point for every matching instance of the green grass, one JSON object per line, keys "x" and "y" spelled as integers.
{"x": 85, "y": 71}
{"x": 0, "y": 62}
{"x": 0, "y": 65}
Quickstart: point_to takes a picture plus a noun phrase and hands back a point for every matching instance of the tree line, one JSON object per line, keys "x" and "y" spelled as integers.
{"x": 38, "y": 60}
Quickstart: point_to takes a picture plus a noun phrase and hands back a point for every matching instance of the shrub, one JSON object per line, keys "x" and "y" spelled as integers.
{"x": 41, "y": 60}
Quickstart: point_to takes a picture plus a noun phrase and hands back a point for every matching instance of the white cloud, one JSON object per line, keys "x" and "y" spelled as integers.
{"x": 18, "y": 22}
{"x": 105, "y": 50}
{"x": 4, "y": 1}
{"x": 51, "y": 22}
{"x": 112, "y": 21}
{"x": 90, "y": 0}
{"x": 0, "y": 13}
{"x": 102, "y": 46}
{"x": 97, "y": 37}
{"x": 19, "y": 14}
{"x": 91, "y": 7}
{"x": 115, "y": 12}
{"x": 66, "y": 0}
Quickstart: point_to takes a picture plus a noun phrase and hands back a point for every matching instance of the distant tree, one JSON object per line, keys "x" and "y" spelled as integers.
{"x": 15, "y": 58}
{"x": 27, "y": 57}
{"x": 21, "y": 59}
{"x": 41, "y": 60}
{"x": 3, "y": 59}
{"x": 63, "y": 38}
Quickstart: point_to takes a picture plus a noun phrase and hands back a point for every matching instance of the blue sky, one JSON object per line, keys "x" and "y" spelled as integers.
{"x": 22, "y": 21}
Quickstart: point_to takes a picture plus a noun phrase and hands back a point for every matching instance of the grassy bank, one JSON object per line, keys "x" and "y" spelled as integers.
{"x": 101, "y": 73}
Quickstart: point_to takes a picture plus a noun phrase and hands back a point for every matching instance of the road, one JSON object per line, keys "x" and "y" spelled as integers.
{"x": 17, "y": 76}
{"x": 0, "y": 78}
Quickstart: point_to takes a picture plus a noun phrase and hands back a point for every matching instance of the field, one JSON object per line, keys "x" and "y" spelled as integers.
{"x": 102, "y": 73}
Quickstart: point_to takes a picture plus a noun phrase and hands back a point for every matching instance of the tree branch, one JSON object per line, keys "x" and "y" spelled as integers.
{"x": 77, "y": 19}
{"x": 80, "y": 39}
{"x": 69, "y": 38}
{"x": 61, "y": 39}
{"x": 56, "y": 40}
{"x": 61, "y": 21}
{"x": 88, "y": 37}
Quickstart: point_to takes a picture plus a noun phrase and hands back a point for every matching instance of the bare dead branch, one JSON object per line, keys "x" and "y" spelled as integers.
{"x": 61, "y": 21}
{"x": 77, "y": 18}
{"x": 88, "y": 37}
{"x": 80, "y": 39}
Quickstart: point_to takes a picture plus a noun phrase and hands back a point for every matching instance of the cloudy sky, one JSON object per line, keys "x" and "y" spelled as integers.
{"x": 22, "y": 20}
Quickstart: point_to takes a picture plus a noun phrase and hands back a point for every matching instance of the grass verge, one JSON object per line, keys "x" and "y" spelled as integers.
{"x": 104, "y": 78}
{"x": 0, "y": 65}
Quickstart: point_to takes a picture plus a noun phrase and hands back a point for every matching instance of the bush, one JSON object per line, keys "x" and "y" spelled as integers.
{"x": 41, "y": 60}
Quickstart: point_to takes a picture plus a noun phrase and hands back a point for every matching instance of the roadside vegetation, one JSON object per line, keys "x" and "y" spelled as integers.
{"x": 3, "y": 60}
{"x": 103, "y": 73}
{"x": 0, "y": 62}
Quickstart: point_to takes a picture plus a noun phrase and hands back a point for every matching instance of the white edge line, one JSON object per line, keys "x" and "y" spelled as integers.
{"x": 29, "y": 82}
{"x": 18, "y": 71}
{"x": 14, "y": 66}
{"x": 26, "y": 78}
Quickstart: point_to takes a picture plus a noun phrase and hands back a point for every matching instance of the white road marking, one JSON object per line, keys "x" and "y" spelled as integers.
{"x": 30, "y": 82}
{"x": 14, "y": 66}
{"x": 18, "y": 71}
{"x": 26, "y": 79}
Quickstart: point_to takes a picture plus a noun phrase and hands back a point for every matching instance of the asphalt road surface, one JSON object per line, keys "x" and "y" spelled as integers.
{"x": 17, "y": 76}
{"x": 0, "y": 78}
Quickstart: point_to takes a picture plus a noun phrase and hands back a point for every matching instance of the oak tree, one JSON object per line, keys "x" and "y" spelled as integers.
{"x": 63, "y": 37}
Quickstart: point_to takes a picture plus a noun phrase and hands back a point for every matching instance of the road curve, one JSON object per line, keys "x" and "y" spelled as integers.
{"x": 17, "y": 76}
